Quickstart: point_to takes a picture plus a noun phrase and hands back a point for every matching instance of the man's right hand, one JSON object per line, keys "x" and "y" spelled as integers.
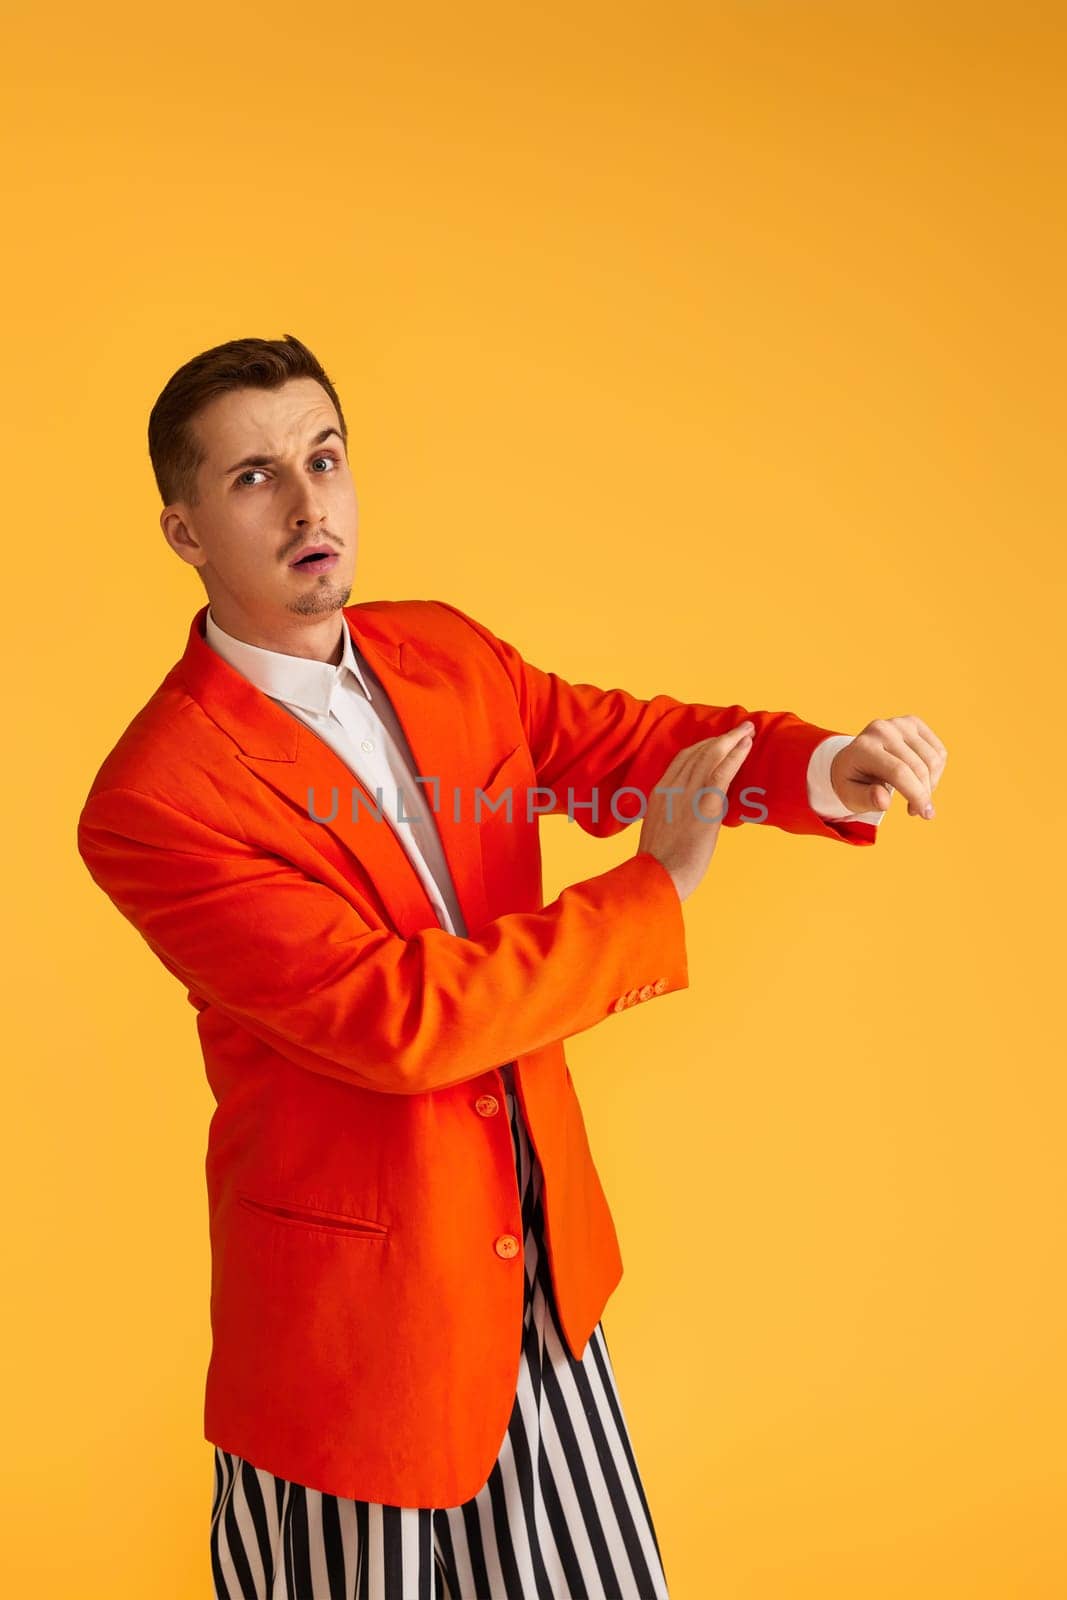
{"x": 684, "y": 842}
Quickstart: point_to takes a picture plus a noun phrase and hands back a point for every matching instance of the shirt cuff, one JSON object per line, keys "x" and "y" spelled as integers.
{"x": 821, "y": 797}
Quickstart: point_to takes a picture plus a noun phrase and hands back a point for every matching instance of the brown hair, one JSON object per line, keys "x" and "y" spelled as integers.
{"x": 239, "y": 364}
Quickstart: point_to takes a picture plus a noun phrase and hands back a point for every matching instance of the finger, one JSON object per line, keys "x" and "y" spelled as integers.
{"x": 694, "y": 758}
{"x": 930, "y": 737}
{"x": 894, "y": 737}
{"x": 734, "y": 757}
{"x": 926, "y": 745}
{"x": 726, "y": 767}
{"x": 726, "y": 741}
{"x": 721, "y": 748}
{"x": 700, "y": 761}
{"x": 898, "y": 770}
{"x": 714, "y": 801}
{"x": 930, "y": 761}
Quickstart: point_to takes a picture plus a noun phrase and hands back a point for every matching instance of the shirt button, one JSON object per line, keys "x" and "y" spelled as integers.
{"x": 659, "y": 985}
{"x": 487, "y": 1105}
{"x": 366, "y": 744}
{"x": 620, "y": 1004}
{"x": 631, "y": 998}
{"x": 507, "y": 1246}
{"x": 646, "y": 992}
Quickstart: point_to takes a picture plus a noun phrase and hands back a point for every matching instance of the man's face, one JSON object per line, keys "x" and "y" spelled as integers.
{"x": 274, "y": 482}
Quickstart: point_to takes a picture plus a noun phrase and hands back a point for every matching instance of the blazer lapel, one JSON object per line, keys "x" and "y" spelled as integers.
{"x": 285, "y": 754}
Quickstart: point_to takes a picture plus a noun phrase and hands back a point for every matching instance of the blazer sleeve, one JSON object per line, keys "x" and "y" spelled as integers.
{"x": 589, "y": 744}
{"x": 296, "y": 965}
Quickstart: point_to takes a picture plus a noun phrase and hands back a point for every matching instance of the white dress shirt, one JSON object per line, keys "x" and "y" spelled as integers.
{"x": 351, "y": 712}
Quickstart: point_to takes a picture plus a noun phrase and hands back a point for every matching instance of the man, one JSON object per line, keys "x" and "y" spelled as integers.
{"x": 324, "y": 824}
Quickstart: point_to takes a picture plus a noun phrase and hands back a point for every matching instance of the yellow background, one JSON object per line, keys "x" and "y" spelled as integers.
{"x": 714, "y": 349}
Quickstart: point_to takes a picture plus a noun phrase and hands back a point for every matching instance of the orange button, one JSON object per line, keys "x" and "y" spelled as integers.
{"x": 631, "y": 998}
{"x": 646, "y": 992}
{"x": 487, "y": 1105}
{"x": 659, "y": 985}
{"x": 507, "y": 1246}
{"x": 620, "y": 1004}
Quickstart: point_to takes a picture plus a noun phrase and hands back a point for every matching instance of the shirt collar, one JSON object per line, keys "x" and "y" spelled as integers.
{"x": 294, "y": 680}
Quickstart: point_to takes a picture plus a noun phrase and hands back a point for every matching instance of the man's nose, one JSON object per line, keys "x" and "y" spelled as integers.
{"x": 309, "y": 505}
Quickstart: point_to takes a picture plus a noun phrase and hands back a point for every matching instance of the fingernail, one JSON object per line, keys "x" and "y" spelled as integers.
{"x": 928, "y": 812}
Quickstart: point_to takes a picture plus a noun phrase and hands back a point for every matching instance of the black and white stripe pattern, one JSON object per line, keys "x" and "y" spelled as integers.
{"x": 563, "y": 1515}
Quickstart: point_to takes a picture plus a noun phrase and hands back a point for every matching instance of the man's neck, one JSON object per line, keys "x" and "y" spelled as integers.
{"x": 312, "y": 638}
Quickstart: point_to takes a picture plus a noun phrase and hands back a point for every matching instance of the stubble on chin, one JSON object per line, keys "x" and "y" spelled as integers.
{"x": 321, "y": 599}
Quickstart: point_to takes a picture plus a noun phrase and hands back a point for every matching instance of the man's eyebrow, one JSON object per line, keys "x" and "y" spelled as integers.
{"x": 268, "y": 461}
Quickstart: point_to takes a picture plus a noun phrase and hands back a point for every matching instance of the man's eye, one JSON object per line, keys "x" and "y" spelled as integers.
{"x": 242, "y": 479}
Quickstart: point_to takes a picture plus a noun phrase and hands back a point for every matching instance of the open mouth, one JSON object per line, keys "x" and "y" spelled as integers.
{"x": 316, "y": 561}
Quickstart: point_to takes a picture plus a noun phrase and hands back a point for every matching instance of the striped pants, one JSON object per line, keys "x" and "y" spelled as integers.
{"x": 563, "y": 1515}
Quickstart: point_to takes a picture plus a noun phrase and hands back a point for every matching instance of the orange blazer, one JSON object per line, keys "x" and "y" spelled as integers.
{"x": 366, "y": 1300}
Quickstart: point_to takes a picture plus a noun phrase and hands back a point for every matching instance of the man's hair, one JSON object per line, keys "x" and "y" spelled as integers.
{"x": 239, "y": 364}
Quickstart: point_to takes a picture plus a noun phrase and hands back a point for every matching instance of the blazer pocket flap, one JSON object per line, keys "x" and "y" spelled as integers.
{"x": 314, "y": 1216}
{"x": 508, "y": 769}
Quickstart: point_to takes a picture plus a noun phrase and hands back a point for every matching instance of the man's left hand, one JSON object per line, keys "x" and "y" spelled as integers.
{"x": 891, "y": 753}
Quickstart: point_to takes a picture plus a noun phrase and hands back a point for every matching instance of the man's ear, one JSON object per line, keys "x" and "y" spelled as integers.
{"x": 173, "y": 519}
